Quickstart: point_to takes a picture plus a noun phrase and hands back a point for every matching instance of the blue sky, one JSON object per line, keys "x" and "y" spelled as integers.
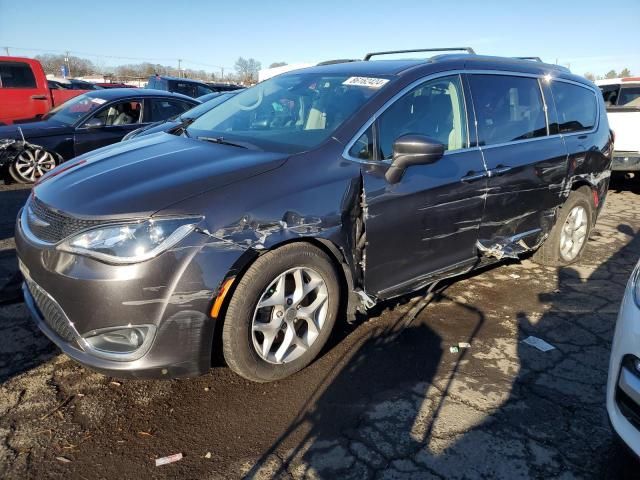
{"x": 590, "y": 36}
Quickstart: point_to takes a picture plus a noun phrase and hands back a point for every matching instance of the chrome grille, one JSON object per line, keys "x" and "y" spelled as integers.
{"x": 51, "y": 312}
{"x": 51, "y": 226}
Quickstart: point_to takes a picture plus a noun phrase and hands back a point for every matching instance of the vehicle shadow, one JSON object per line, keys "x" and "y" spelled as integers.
{"x": 399, "y": 406}
{"x": 12, "y": 198}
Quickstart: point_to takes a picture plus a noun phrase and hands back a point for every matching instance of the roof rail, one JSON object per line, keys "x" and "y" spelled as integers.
{"x": 451, "y": 49}
{"x": 340, "y": 60}
{"x": 534, "y": 59}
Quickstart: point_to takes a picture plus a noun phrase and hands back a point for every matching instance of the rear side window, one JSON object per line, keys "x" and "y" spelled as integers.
{"x": 576, "y": 107}
{"x": 629, "y": 97}
{"x": 610, "y": 94}
{"x": 165, "y": 109}
{"x": 16, "y": 75}
{"x": 507, "y": 108}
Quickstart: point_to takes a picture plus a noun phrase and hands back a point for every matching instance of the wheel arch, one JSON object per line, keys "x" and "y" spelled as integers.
{"x": 348, "y": 300}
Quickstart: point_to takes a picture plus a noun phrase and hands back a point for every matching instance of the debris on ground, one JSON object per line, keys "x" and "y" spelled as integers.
{"x": 63, "y": 459}
{"x": 170, "y": 459}
{"x": 207, "y": 455}
{"x": 515, "y": 276}
{"x": 145, "y": 434}
{"x": 538, "y": 343}
{"x": 56, "y": 410}
{"x": 115, "y": 384}
{"x": 464, "y": 345}
{"x": 454, "y": 349}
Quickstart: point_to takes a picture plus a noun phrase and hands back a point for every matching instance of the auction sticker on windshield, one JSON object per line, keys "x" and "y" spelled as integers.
{"x": 99, "y": 101}
{"x": 370, "y": 82}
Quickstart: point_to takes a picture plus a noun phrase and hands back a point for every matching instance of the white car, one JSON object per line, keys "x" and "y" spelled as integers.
{"x": 623, "y": 386}
{"x": 622, "y": 98}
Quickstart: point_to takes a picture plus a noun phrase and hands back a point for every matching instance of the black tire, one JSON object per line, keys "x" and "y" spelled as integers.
{"x": 237, "y": 341}
{"x": 549, "y": 253}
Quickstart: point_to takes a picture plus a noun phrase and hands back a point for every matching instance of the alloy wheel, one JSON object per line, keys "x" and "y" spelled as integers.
{"x": 289, "y": 315}
{"x": 31, "y": 164}
{"x": 574, "y": 233}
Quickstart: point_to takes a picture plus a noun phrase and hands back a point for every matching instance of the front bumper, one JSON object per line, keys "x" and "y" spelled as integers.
{"x": 70, "y": 296}
{"x": 626, "y": 161}
{"x": 623, "y": 386}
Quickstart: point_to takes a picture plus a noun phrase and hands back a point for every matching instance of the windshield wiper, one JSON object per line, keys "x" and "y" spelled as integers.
{"x": 222, "y": 141}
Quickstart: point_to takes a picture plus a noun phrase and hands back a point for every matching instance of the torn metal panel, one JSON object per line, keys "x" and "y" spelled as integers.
{"x": 11, "y": 148}
{"x": 509, "y": 247}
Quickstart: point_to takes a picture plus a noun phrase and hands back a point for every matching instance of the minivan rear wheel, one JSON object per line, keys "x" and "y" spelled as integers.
{"x": 281, "y": 313}
{"x": 569, "y": 235}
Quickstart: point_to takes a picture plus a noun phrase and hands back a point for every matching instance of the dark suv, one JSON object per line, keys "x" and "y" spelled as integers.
{"x": 191, "y": 88}
{"x": 319, "y": 191}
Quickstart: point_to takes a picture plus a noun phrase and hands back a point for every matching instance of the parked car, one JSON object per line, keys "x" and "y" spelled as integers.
{"x": 25, "y": 94}
{"x": 84, "y": 123}
{"x": 316, "y": 192}
{"x": 622, "y": 98}
{"x": 211, "y": 96}
{"x": 191, "y": 88}
{"x": 73, "y": 84}
{"x": 623, "y": 386}
{"x": 183, "y": 120}
{"x": 114, "y": 85}
{"x": 224, "y": 87}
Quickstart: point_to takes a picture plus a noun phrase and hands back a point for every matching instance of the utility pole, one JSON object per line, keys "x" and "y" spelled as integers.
{"x": 6, "y": 49}
{"x": 222, "y": 73}
{"x": 179, "y": 69}
{"x": 66, "y": 60}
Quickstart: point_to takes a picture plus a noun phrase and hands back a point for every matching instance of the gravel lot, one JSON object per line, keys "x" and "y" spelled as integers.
{"x": 386, "y": 400}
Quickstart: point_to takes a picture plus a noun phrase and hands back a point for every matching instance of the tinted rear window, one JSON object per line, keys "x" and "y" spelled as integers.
{"x": 16, "y": 75}
{"x": 507, "y": 108}
{"x": 629, "y": 97}
{"x": 576, "y": 107}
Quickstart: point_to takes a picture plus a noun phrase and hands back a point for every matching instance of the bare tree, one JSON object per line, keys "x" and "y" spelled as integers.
{"x": 247, "y": 69}
{"x": 625, "y": 72}
{"x": 611, "y": 74}
{"x": 78, "y": 67}
{"x": 590, "y": 76}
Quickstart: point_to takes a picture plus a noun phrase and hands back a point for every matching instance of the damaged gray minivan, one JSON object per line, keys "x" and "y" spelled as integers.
{"x": 319, "y": 191}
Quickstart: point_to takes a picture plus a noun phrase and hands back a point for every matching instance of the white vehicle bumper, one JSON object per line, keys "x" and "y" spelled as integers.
{"x": 623, "y": 386}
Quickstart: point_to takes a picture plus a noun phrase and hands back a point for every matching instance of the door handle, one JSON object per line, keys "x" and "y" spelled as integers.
{"x": 38, "y": 97}
{"x": 473, "y": 176}
{"x": 498, "y": 171}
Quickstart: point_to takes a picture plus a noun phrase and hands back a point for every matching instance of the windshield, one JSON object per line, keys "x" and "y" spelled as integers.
{"x": 203, "y": 108}
{"x": 629, "y": 97}
{"x": 73, "y": 110}
{"x": 288, "y": 113}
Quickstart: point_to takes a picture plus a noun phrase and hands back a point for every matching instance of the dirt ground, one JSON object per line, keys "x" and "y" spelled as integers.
{"x": 387, "y": 399}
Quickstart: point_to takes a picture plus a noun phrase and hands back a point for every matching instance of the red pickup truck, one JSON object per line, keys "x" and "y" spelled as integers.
{"x": 24, "y": 93}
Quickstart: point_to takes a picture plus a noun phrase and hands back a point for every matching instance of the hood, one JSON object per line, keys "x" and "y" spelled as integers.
{"x": 139, "y": 177}
{"x": 158, "y": 127}
{"x": 31, "y": 130}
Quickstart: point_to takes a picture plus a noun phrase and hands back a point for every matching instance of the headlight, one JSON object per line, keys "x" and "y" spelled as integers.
{"x": 130, "y": 242}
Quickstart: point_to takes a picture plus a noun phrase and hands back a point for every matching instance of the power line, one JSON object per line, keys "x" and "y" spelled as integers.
{"x": 117, "y": 57}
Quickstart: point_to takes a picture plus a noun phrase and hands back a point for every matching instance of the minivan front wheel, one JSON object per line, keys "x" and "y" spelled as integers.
{"x": 569, "y": 236}
{"x": 281, "y": 313}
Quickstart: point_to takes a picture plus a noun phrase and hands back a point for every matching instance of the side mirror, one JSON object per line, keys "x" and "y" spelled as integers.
{"x": 412, "y": 150}
{"x": 93, "y": 123}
